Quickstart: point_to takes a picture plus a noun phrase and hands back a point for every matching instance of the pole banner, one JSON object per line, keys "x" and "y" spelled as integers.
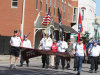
{"x": 30, "y": 53}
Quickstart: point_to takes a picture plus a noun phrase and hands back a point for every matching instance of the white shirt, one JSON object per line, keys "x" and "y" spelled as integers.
{"x": 74, "y": 45}
{"x": 79, "y": 50}
{"x": 27, "y": 43}
{"x": 46, "y": 43}
{"x": 95, "y": 51}
{"x": 62, "y": 46}
{"x": 16, "y": 41}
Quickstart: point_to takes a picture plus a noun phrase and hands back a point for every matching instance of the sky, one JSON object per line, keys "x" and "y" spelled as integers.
{"x": 97, "y": 7}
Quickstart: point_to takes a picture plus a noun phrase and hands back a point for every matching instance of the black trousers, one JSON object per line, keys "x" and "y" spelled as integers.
{"x": 58, "y": 60}
{"x": 94, "y": 63}
{"x": 70, "y": 59}
{"x": 22, "y": 60}
{"x": 45, "y": 59}
{"x": 75, "y": 61}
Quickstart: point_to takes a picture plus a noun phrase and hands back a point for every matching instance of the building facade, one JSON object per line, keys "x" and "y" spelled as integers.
{"x": 26, "y": 17}
{"x": 87, "y": 8}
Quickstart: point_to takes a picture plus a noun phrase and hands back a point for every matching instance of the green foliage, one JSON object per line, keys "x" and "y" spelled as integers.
{"x": 96, "y": 21}
{"x": 86, "y": 38}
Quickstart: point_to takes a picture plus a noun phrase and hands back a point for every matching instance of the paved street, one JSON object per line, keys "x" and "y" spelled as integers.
{"x": 35, "y": 69}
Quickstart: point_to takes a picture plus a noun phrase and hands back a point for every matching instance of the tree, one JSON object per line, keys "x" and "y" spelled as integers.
{"x": 96, "y": 21}
{"x": 86, "y": 38}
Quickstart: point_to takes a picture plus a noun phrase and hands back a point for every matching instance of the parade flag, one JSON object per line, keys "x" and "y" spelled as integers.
{"x": 59, "y": 15}
{"x": 80, "y": 27}
{"x": 60, "y": 24}
{"x": 30, "y": 53}
{"x": 46, "y": 19}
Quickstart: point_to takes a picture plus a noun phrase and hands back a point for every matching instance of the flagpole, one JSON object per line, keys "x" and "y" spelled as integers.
{"x": 46, "y": 32}
{"x": 47, "y": 29}
{"x": 47, "y": 20}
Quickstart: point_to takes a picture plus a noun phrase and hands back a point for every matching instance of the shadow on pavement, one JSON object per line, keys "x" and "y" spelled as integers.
{"x": 33, "y": 71}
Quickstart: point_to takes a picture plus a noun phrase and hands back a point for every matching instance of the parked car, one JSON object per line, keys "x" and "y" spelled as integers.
{"x": 87, "y": 47}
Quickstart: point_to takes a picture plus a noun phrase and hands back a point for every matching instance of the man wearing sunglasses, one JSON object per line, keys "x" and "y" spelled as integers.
{"x": 94, "y": 52}
{"x": 26, "y": 43}
{"x": 80, "y": 50}
{"x": 15, "y": 42}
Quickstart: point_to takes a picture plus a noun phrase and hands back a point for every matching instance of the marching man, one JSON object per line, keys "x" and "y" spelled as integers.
{"x": 46, "y": 43}
{"x": 26, "y": 43}
{"x": 15, "y": 42}
{"x": 62, "y": 46}
{"x": 94, "y": 52}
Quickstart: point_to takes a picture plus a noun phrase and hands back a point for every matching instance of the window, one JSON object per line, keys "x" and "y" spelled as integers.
{"x": 64, "y": 9}
{"x": 57, "y": 9}
{"x": 61, "y": 7}
{"x": 69, "y": 13}
{"x": 36, "y": 4}
{"x": 82, "y": 14}
{"x": 41, "y": 6}
{"x": 46, "y": 5}
{"x": 14, "y": 3}
{"x": 54, "y": 7}
{"x": 74, "y": 14}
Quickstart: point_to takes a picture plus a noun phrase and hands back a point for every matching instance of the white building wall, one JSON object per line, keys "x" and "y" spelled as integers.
{"x": 89, "y": 15}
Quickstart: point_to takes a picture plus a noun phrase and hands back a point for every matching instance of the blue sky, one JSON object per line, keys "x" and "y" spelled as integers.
{"x": 97, "y": 7}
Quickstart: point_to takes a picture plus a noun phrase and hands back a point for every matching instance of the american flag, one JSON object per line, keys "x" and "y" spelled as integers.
{"x": 46, "y": 19}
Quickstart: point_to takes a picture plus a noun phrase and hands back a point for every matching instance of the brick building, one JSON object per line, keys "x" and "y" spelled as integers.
{"x": 26, "y": 17}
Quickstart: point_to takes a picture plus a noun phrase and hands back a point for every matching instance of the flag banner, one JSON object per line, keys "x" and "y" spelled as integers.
{"x": 30, "y": 53}
{"x": 46, "y": 19}
{"x": 59, "y": 15}
{"x": 60, "y": 24}
{"x": 80, "y": 27}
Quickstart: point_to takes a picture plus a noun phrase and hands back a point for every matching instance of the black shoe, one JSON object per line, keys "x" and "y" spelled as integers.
{"x": 91, "y": 71}
{"x": 43, "y": 66}
{"x": 74, "y": 69}
{"x": 56, "y": 67}
{"x": 67, "y": 67}
{"x": 21, "y": 65}
{"x": 27, "y": 65}
{"x": 95, "y": 71}
{"x": 62, "y": 67}
{"x": 78, "y": 73}
{"x": 47, "y": 67}
{"x": 90, "y": 67}
{"x": 11, "y": 66}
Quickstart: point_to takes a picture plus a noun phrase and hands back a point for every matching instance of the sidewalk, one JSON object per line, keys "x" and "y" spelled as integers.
{"x": 6, "y": 58}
